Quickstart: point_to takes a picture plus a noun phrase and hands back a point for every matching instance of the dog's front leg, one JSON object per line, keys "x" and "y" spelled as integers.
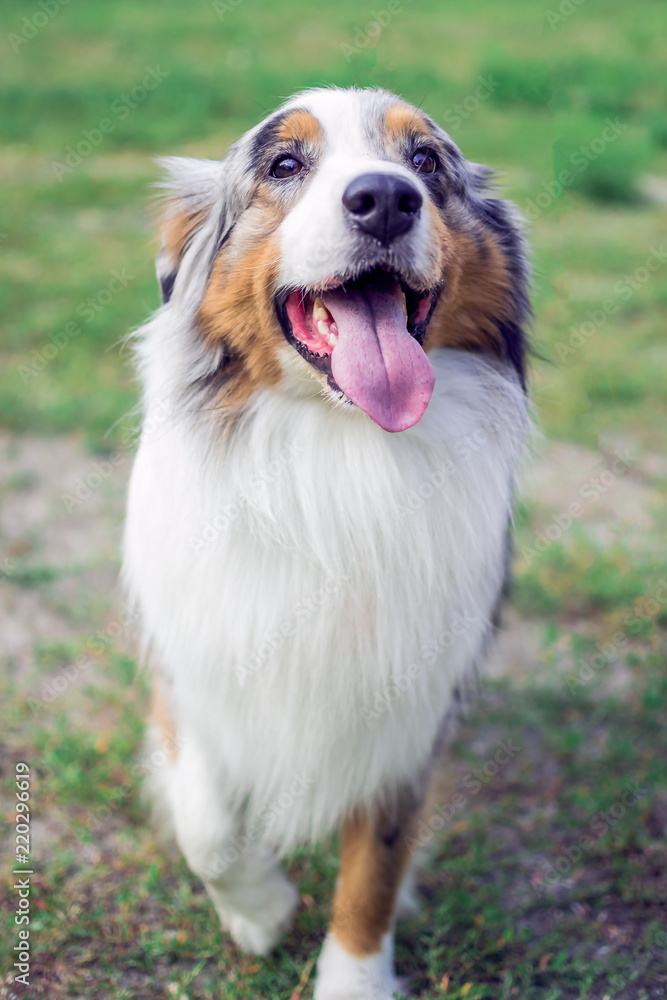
{"x": 356, "y": 962}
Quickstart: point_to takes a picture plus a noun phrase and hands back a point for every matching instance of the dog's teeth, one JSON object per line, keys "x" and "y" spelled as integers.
{"x": 320, "y": 312}
{"x": 323, "y": 328}
{"x": 333, "y": 334}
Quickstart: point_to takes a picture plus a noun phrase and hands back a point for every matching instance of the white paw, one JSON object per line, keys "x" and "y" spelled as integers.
{"x": 253, "y": 936}
{"x": 342, "y": 976}
{"x": 258, "y": 930}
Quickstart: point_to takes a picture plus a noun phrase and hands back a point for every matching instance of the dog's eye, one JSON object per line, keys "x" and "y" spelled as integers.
{"x": 286, "y": 166}
{"x": 425, "y": 161}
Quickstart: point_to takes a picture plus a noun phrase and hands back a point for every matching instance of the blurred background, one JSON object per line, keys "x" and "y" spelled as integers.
{"x": 551, "y": 882}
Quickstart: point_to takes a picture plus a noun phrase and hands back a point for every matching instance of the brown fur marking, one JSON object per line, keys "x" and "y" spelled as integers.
{"x": 177, "y": 230}
{"x": 300, "y": 126}
{"x": 238, "y": 310}
{"x": 374, "y": 856}
{"x": 476, "y": 295}
{"x": 477, "y": 284}
{"x": 161, "y": 717}
{"x": 401, "y": 121}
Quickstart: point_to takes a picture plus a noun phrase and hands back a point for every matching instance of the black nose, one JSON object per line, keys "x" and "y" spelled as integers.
{"x": 382, "y": 205}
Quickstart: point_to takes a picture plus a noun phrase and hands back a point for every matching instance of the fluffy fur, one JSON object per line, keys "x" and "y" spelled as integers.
{"x": 315, "y": 590}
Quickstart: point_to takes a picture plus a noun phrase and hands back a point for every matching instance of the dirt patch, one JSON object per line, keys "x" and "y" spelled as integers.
{"x": 60, "y": 530}
{"x": 615, "y": 489}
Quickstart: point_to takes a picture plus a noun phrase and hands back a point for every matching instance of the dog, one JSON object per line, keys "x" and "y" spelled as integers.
{"x": 318, "y": 526}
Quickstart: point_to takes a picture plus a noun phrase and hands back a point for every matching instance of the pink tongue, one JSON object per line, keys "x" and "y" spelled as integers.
{"x": 376, "y": 362}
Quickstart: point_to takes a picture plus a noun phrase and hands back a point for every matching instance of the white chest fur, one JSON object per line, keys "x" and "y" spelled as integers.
{"x": 315, "y": 589}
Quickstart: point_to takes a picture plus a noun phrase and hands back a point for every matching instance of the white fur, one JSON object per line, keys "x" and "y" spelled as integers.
{"x": 341, "y": 976}
{"x": 316, "y": 240}
{"x": 312, "y": 588}
{"x": 252, "y": 897}
{"x": 223, "y": 551}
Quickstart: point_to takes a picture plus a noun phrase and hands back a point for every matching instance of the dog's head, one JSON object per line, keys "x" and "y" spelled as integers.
{"x": 343, "y": 239}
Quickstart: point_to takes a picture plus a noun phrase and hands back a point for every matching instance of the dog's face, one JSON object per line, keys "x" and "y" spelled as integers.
{"x": 343, "y": 238}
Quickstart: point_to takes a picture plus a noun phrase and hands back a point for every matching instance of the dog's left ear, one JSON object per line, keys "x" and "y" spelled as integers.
{"x": 488, "y": 306}
{"x": 199, "y": 205}
{"x": 502, "y": 220}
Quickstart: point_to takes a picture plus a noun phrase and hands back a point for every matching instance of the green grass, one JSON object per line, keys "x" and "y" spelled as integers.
{"x": 498, "y": 917}
{"x": 116, "y": 914}
{"x": 555, "y": 89}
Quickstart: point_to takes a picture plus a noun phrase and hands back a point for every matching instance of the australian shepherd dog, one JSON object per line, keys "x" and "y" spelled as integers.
{"x": 317, "y": 539}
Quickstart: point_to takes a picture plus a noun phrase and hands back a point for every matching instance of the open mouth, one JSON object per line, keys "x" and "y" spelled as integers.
{"x": 366, "y": 336}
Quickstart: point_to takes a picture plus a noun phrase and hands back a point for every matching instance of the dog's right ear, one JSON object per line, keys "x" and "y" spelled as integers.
{"x": 201, "y": 200}
{"x": 191, "y": 196}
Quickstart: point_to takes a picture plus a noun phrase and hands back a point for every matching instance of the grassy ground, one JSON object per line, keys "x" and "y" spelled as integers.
{"x": 551, "y": 882}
